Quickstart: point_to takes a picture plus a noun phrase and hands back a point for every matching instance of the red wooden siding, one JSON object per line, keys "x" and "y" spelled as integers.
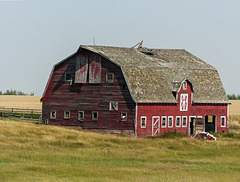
{"x": 81, "y": 96}
{"x": 162, "y": 110}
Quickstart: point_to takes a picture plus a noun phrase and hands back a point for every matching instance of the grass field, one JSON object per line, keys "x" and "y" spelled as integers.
{"x": 31, "y": 152}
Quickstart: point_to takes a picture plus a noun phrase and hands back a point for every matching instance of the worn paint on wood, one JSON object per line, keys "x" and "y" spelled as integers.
{"x": 81, "y": 68}
{"x": 94, "y": 68}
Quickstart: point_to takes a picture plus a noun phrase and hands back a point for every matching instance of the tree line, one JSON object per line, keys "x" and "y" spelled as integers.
{"x": 15, "y": 92}
{"x": 234, "y": 97}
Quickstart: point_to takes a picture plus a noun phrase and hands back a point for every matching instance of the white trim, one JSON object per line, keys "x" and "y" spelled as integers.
{"x": 189, "y": 132}
{"x": 136, "y": 120}
{"x": 184, "y": 83}
{"x": 53, "y": 117}
{"x": 199, "y": 117}
{"x": 144, "y": 117}
{"x": 65, "y": 117}
{"x": 183, "y": 104}
{"x": 168, "y": 121}
{"x": 165, "y": 121}
{"x": 153, "y": 124}
{"x": 107, "y": 80}
{"x": 113, "y": 106}
{"x": 179, "y": 121}
{"x": 223, "y": 117}
{"x": 80, "y": 119}
{"x": 121, "y": 116}
{"x": 184, "y": 126}
{"x": 95, "y": 119}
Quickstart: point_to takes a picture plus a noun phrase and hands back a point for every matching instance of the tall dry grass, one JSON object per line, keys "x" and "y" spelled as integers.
{"x": 30, "y": 152}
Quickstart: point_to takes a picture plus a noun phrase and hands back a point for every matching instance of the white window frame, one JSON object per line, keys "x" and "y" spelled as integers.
{"x": 80, "y": 119}
{"x": 93, "y": 118}
{"x": 143, "y": 117}
{"x": 163, "y": 117}
{"x": 179, "y": 121}
{"x": 186, "y": 121}
{"x": 183, "y": 105}
{"x": 46, "y": 121}
{"x": 168, "y": 121}
{"x": 65, "y": 76}
{"x": 122, "y": 116}
{"x": 113, "y": 106}
{"x": 51, "y": 114}
{"x": 109, "y": 80}
{"x": 223, "y": 117}
{"x": 65, "y": 114}
{"x": 184, "y": 85}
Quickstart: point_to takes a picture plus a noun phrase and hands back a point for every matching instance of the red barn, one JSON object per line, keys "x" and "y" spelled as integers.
{"x": 137, "y": 92}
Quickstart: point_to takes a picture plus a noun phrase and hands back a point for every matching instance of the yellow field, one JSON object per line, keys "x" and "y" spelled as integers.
{"x": 19, "y": 101}
{"x": 234, "y": 108}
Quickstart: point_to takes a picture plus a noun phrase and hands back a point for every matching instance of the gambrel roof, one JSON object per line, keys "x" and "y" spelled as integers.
{"x": 151, "y": 77}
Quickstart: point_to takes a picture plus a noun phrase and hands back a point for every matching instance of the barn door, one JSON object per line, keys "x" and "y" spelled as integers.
{"x": 155, "y": 125}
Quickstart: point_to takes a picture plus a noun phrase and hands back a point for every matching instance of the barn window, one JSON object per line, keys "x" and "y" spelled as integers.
{"x": 94, "y": 115}
{"x": 113, "y": 106}
{"x": 53, "y": 114}
{"x": 164, "y": 122}
{"x": 143, "y": 121}
{"x": 223, "y": 121}
{"x": 109, "y": 77}
{"x": 66, "y": 114}
{"x": 178, "y": 121}
{"x": 68, "y": 77}
{"x": 80, "y": 115}
{"x": 184, "y": 121}
{"x": 46, "y": 121}
{"x": 184, "y": 85}
{"x": 170, "y": 121}
{"x": 123, "y": 116}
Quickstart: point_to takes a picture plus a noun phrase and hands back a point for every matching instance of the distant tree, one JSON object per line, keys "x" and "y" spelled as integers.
{"x": 234, "y": 97}
{"x": 20, "y": 93}
{"x": 32, "y": 93}
{"x": 10, "y": 92}
{"x": 0, "y": 92}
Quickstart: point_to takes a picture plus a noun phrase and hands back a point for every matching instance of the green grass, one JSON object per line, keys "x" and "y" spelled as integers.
{"x": 31, "y": 152}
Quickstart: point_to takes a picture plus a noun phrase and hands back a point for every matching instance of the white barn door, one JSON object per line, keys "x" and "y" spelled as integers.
{"x": 155, "y": 125}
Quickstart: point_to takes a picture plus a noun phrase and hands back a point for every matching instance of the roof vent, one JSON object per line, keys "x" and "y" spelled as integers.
{"x": 143, "y": 49}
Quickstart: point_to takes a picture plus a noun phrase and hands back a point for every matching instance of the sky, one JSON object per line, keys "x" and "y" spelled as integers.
{"x": 37, "y": 34}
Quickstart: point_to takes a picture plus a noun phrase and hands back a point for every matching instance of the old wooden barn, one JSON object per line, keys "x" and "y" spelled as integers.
{"x": 135, "y": 91}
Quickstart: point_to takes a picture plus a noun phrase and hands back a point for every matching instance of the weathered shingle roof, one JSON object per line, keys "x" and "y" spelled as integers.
{"x": 150, "y": 77}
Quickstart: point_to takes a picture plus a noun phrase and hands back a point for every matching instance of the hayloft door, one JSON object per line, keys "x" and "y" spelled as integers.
{"x": 155, "y": 125}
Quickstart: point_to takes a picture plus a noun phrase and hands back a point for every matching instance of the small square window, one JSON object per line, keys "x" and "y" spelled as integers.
{"x": 123, "y": 116}
{"x": 68, "y": 77}
{"x": 109, "y": 77}
{"x": 94, "y": 115}
{"x": 66, "y": 114}
{"x": 178, "y": 121}
{"x": 80, "y": 115}
{"x": 143, "y": 121}
{"x": 223, "y": 121}
{"x": 184, "y": 121}
{"x": 170, "y": 121}
{"x": 184, "y": 85}
{"x": 164, "y": 120}
{"x": 113, "y": 106}
{"x": 46, "y": 121}
{"x": 53, "y": 114}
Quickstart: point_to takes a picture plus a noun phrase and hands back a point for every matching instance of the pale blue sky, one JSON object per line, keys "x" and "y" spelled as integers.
{"x": 35, "y": 35}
